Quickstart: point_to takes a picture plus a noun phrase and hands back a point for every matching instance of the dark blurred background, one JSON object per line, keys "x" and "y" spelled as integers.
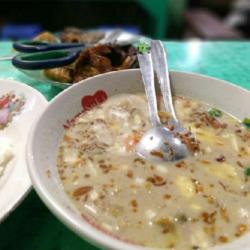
{"x": 164, "y": 19}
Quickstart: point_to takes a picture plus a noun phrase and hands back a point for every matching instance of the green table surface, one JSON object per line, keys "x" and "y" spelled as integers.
{"x": 31, "y": 226}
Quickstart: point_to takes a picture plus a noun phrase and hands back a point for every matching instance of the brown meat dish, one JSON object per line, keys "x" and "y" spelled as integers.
{"x": 63, "y": 74}
{"x": 74, "y": 35}
{"x": 46, "y": 36}
{"x": 93, "y": 60}
{"x": 71, "y": 35}
{"x": 96, "y": 60}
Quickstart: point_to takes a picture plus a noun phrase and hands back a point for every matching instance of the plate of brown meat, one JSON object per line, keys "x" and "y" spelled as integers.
{"x": 93, "y": 60}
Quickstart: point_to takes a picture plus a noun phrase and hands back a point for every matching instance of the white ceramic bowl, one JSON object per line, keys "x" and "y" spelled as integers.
{"x": 47, "y": 132}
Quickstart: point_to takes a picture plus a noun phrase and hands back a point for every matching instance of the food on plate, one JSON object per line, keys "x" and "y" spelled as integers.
{"x": 62, "y": 74}
{"x": 6, "y": 154}
{"x": 10, "y": 105}
{"x": 71, "y": 35}
{"x": 46, "y": 37}
{"x": 95, "y": 60}
{"x": 195, "y": 203}
{"x": 75, "y": 35}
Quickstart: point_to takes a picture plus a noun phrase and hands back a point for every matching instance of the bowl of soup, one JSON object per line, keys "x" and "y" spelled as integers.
{"x": 83, "y": 165}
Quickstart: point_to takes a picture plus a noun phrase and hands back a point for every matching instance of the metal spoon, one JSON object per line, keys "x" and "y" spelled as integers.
{"x": 159, "y": 143}
{"x": 160, "y": 65}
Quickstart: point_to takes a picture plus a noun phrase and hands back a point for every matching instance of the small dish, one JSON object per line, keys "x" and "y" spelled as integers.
{"x": 46, "y": 133}
{"x": 15, "y": 181}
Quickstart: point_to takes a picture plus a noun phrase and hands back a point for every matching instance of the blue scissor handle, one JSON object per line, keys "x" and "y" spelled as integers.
{"x": 45, "y": 60}
{"x": 37, "y": 46}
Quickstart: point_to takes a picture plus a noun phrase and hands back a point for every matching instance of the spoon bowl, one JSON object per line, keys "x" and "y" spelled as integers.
{"x": 159, "y": 144}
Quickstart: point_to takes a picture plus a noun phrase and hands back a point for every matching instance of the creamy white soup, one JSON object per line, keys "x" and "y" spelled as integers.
{"x": 195, "y": 203}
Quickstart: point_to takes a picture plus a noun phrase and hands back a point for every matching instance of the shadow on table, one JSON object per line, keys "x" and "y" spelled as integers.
{"x": 32, "y": 227}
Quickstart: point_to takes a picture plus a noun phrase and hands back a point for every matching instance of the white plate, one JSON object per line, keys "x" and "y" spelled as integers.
{"x": 15, "y": 182}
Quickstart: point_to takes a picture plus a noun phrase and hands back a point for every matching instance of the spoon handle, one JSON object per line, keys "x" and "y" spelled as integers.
{"x": 159, "y": 58}
{"x": 146, "y": 66}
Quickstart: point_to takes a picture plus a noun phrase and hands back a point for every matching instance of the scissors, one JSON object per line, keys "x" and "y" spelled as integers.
{"x": 42, "y": 55}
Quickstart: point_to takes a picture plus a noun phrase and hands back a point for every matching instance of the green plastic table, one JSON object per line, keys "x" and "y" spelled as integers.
{"x": 31, "y": 226}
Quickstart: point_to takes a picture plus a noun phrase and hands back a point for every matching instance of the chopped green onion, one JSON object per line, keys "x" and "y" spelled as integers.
{"x": 143, "y": 47}
{"x": 215, "y": 112}
{"x": 246, "y": 122}
{"x": 247, "y": 172}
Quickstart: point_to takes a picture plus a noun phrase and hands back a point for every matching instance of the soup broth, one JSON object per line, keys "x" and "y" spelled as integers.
{"x": 195, "y": 203}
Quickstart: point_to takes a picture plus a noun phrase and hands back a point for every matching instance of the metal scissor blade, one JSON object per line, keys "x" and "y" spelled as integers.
{"x": 6, "y": 58}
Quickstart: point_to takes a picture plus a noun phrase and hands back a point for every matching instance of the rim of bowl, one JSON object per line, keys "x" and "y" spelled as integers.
{"x": 88, "y": 232}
